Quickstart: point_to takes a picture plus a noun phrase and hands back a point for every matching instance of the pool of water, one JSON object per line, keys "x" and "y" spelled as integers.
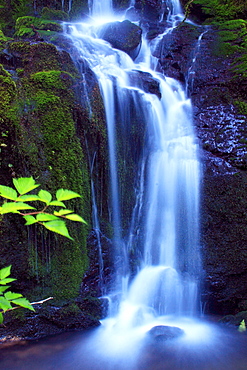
{"x": 205, "y": 347}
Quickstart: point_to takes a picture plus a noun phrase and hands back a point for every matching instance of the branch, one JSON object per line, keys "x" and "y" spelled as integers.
{"x": 40, "y": 302}
{"x": 32, "y": 303}
{"x": 187, "y": 12}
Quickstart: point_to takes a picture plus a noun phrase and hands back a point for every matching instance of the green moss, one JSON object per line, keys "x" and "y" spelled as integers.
{"x": 40, "y": 113}
{"x": 78, "y": 8}
{"x": 38, "y": 57}
{"x": 219, "y": 10}
{"x": 30, "y": 26}
{"x": 53, "y": 14}
{"x": 242, "y": 106}
{"x": 48, "y": 79}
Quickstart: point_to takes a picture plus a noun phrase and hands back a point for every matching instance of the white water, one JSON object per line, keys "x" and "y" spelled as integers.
{"x": 165, "y": 287}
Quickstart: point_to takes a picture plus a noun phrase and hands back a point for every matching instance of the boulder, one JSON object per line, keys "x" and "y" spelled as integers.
{"x": 163, "y": 333}
{"x": 125, "y": 36}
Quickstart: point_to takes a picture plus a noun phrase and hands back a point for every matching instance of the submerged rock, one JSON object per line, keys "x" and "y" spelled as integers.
{"x": 163, "y": 333}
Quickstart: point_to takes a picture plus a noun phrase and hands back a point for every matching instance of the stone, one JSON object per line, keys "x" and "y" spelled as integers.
{"x": 125, "y": 36}
{"x": 162, "y": 333}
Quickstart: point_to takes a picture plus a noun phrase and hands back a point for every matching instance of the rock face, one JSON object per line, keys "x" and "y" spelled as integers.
{"x": 196, "y": 56}
{"x": 149, "y": 9}
{"x": 125, "y": 36}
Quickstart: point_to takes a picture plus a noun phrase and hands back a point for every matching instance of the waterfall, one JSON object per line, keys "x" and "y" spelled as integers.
{"x": 164, "y": 224}
{"x": 98, "y": 7}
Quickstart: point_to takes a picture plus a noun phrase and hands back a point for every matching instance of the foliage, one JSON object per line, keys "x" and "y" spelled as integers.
{"x": 18, "y": 201}
{"x": 8, "y": 298}
{"x": 242, "y": 327}
{"x": 52, "y": 14}
{"x": 29, "y": 26}
{"x": 221, "y": 10}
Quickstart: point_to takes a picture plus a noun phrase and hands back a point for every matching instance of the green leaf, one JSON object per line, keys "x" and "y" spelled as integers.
{"x": 30, "y": 220}
{"x": 28, "y": 198}
{"x": 1, "y": 318}
{"x": 23, "y": 302}
{"x": 4, "y": 272}
{"x": 25, "y": 184}
{"x": 59, "y": 227}
{"x": 57, "y": 203}
{"x": 14, "y": 207}
{"x": 45, "y": 196}
{"x": 3, "y": 288}
{"x": 242, "y": 327}
{"x": 10, "y": 295}
{"x": 7, "y": 192}
{"x": 62, "y": 212}
{"x": 75, "y": 217}
{"x": 63, "y": 194}
{"x": 5, "y": 304}
{"x": 6, "y": 281}
{"x": 46, "y": 217}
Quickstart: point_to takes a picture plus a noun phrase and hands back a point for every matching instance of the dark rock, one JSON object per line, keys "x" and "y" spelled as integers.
{"x": 234, "y": 320}
{"x": 163, "y": 333}
{"x": 149, "y": 9}
{"x": 46, "y": 320}
{"x": 175, "y": 51}
{"x": 125, "y": 36}
{"x": 146, "y": 82}
{"x": 99, "y": 273}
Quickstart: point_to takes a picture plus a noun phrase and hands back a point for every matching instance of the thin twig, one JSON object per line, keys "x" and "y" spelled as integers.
{"x": 32, "y": 303}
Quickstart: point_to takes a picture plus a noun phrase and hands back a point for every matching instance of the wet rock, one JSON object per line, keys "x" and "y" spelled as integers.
{"x": 234, "y": 320}
{"x": 163, "y": 333}
{"x": 149, "y": 9}
{"x": 46, "y": 320}
{"x": 100, "y": 269}
{"x": 125, "y": 36}
{"x": 176, "y": 49}
{"x": 146, "y": 82}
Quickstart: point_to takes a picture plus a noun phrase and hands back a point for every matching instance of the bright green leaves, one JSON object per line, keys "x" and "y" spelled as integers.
{"x": 14, "y": 207}
{"x": 45, "y": 196}
{"x": 63, "y": 194}
{"x": 8, "y": 299}
{"x": 5, "y": 272}
{"x": 25, "y": 184}
{"x": 242, "y": 327}
{"x": 7, "y": 192}
{"x": 58, "y": 227}
{"x": 52, "y": 220}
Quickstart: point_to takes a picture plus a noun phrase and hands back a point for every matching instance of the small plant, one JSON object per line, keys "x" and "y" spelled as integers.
{"x": 16, "y": 201}
{"x": 8, "y": 299}
{"x": 242, "y": 327}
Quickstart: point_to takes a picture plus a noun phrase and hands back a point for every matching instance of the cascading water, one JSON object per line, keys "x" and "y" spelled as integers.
{"x": 161, "y": 290}
{"x": 167, "y": 196}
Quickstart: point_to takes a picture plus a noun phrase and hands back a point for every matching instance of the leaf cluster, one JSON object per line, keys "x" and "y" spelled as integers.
{"x": 17, "y": 200}
{"x": 8, "y": 299}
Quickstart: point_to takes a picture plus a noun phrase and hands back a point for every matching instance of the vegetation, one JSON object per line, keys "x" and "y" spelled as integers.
{"x": 17, "y": 201}
{"x": 8, "y": 298}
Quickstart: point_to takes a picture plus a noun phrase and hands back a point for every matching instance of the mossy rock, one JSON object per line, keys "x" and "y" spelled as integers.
{"x": 27, "y": 27}
{"x": 54, "y": 15}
